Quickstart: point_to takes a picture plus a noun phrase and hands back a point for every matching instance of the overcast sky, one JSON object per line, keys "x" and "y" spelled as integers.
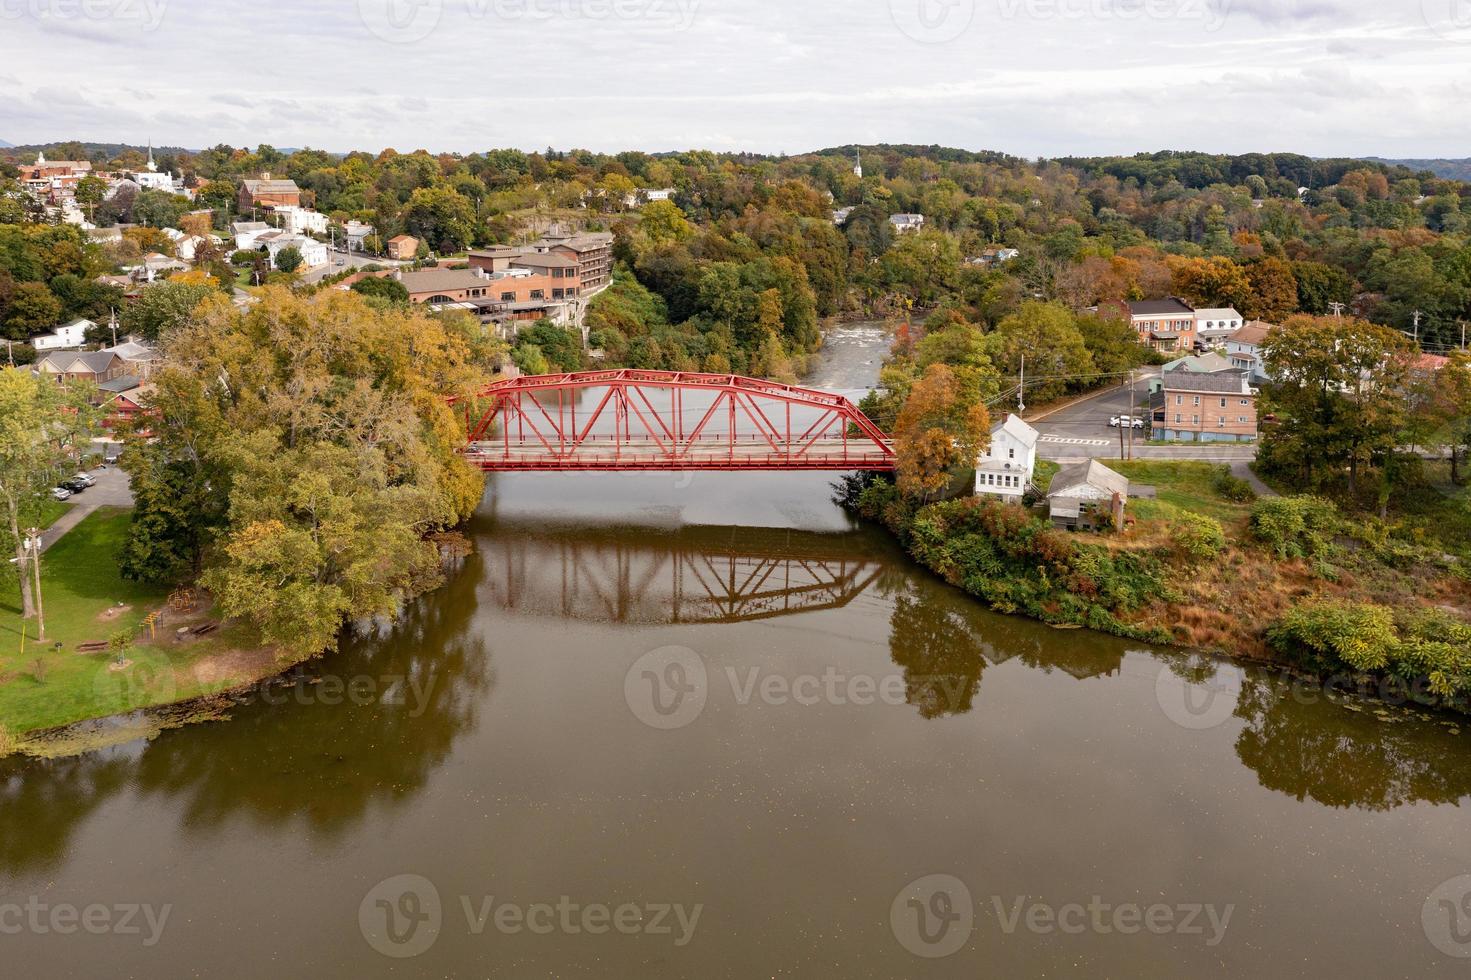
{"x": 1030, "y": 77}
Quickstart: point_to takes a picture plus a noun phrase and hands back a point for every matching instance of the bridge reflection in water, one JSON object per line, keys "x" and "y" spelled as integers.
{"x": 690, "y": 575}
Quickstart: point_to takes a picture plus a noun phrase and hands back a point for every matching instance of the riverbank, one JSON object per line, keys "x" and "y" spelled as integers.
{"x": 1205, "y": 566}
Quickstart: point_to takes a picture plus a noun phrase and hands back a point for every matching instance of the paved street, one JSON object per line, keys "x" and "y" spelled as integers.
{"x": 353, "y": 260}
{"x": 111, "y": 491}
{"x": 1081, "y": 431}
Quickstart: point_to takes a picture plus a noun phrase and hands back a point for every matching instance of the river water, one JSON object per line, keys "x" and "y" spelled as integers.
{"x": 706, "y": 726}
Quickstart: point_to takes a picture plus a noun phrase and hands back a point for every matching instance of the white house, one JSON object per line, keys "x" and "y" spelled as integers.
{"x": 906, "y": 222}
{"x": 841, "y": 215}
{"x": 1244, "y": 350}
{"x": 67, "y": 337}
{"x": 357, "y": 233}
{"x": 313, "y": 252}
{"x": 1005, "y": 469}
{"x": 300, "y": 221}
{"x": 1215, "y": 325}
{"x": 246, "y": 233}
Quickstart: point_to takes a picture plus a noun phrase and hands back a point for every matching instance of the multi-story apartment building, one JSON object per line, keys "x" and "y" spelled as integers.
{"x": 1194, "y": 407}
{"x": 1164, "y": 324}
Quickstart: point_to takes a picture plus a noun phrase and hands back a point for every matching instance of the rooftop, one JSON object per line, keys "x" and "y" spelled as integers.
{"x": 1160, "y": 307}
{"x": 1091, "y": 473}
{"x": 1229, "y": 382}
{"x": 442, "y": 280}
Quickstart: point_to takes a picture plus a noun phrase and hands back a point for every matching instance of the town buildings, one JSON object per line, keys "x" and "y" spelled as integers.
{"x": 1212, "y": 326}
{"x": 69, "y": 336}
{"x": 1005, "y": 469}
{"x": 904, "y": 223}
{"x": 268, "y": 192}
{"x": 1164, "y": 324}
{"x": 1194, "y": 406}
{"x": 402, "y": 248}
{"x": 1244, "y": 350}
{"x": 593, "y": 252}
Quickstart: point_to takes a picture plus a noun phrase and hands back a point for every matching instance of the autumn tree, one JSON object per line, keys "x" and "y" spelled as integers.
{"x": 942, "y": 426}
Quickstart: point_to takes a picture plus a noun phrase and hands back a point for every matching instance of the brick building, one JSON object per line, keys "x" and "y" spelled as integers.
{"x": 266, "y": 192}
{"x": 1216, "y": 407}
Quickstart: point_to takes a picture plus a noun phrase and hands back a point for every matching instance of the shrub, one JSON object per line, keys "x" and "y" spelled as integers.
{"x": 1330, "y": 634}
{"x": 7, "y": 742}
{"x": 1233, "y": 488}
{"x": 1295, "y": 527}
{"x": 1197, "y": 538}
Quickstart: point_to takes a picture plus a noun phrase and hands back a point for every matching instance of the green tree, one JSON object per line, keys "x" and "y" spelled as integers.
{"x": 32, "y": 309}
{"x": 1339, "y": 396}
{"x": 164, "y": 307}
{"x": 1046, "y": 337}
{"x": 289, "y": 259}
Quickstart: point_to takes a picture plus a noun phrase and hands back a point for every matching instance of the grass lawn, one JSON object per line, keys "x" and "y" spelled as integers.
{"x": 1186, "y": 485}
{"x": 51, "y": 511}
{"x": 80, "y": 583}
{"x": 1042, "y": 476}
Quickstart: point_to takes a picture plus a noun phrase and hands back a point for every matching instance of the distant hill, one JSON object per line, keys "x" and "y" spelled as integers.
{"x": 1449, "y": 169}
{"x": 71, "y": 149}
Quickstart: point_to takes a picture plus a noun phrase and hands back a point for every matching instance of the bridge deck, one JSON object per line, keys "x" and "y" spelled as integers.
{"x": 647, "y": 454}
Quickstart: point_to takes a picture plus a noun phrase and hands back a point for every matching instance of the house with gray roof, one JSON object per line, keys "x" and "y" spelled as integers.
{"x": 1088, "y": 496}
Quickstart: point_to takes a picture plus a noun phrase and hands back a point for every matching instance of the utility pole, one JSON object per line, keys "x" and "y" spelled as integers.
{"x": 1337, "y": 309}
{"x": 112, "y": 322}
{"x": 33, "y": 544}
{"x": 1418, "y": 315}
{"x": 10, "y": 351}
{"x": 1463, "y": 336}
{"x": 1021, "y": 389}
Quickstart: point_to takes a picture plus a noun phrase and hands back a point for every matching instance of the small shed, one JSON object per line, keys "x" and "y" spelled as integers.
{"x": 1086, "y": 496}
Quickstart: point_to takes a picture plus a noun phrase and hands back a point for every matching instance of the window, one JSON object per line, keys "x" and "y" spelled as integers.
{"x": 538, "y": 294}
{"x": 1221, "y": 422}
{"x": 1013, "y": 453}
{"x": 1195, "y": 420}
{"x": 1197, "y": 401}
{"x": 1179, "y": 399}
{"x": 1245, "y": 402}
{"x": 1244, "y": 420}
{"x": 557, "y": 294}
{"x": 508, "y": 297}
{"x": 1223, "y": 403}
{"x": 1179, "y": 418}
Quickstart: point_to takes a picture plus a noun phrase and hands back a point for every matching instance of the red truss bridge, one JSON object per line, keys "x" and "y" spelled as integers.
{"x": 667, "y": 421}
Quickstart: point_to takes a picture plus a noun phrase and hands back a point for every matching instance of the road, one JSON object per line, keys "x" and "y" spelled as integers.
{"x": 350, "y": 260}
{"x": 112, "y": 490}
{"x": 1081, "y": 431}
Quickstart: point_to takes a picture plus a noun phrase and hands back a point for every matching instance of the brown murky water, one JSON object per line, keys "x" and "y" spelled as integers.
{"x": 704, "y": 726}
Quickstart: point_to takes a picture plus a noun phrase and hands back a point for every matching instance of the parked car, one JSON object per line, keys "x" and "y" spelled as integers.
{"x": 110, "y": 459}
{"x": 74, "y": 485}
{"x": 1138, "y": 423}
{"x": 60, "y": 493}
{"x": 85, "y": 478}
{"x": 1116, "y": 421}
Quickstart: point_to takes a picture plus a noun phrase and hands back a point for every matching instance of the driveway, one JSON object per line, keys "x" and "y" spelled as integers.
{"x": 353, "y": 260}
{"x": 112, "y": 490}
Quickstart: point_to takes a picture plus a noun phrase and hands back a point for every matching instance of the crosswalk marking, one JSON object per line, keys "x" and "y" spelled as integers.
{"x": 1069, "y": 441}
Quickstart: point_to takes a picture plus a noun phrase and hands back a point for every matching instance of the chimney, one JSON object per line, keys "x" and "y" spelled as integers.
{"x": 266, "y": 175}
